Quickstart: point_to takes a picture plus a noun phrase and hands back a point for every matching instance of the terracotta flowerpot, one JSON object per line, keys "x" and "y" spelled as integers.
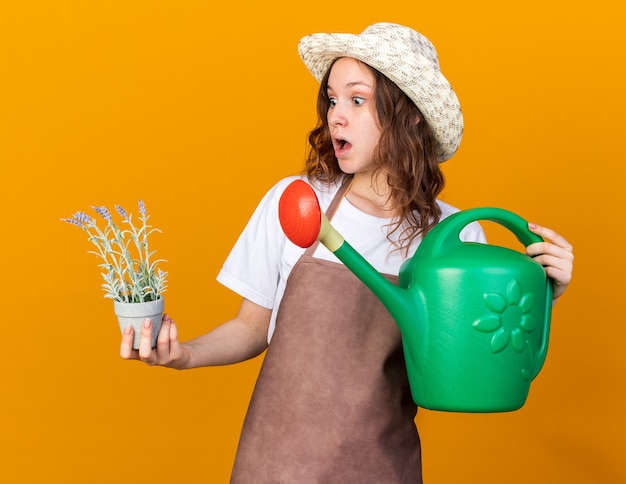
{"x": 134, "y": 314}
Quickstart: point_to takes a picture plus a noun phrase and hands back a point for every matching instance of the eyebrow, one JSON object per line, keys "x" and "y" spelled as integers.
{"x": 353, "y": 84}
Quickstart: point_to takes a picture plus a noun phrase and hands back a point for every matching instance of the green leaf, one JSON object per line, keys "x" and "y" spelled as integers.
{"x": 488, "y": 323}
{"x": 499, "y": 341}
{"x": 495, "y": 302}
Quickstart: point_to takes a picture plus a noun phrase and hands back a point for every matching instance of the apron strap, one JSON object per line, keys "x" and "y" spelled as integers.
{"x": 332, "y": 208}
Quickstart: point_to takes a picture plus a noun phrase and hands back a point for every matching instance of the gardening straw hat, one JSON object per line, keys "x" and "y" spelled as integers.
{"x": 409, "y": 60}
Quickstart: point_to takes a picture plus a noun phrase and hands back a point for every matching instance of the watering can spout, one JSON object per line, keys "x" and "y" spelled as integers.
{"x": 396, "y": 300}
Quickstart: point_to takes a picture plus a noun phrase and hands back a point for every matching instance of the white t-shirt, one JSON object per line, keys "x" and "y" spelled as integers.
{"x": 259, "y": 264}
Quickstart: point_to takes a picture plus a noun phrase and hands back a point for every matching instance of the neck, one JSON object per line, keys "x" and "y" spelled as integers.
{"x": 371, "y": 195}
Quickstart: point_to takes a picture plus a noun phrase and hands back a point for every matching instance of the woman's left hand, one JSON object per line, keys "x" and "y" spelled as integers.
{"x": 555, "y": 254}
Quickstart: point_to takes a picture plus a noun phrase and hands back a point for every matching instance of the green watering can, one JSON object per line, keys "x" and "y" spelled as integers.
{"x": 474, "y": 318}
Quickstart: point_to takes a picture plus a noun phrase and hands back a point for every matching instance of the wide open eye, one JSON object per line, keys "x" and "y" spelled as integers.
{"x": 332, "y": 101}
{"x": 359, "y": 101}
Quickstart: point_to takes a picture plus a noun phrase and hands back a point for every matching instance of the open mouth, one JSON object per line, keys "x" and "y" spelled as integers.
{"x": 341, "y": 145}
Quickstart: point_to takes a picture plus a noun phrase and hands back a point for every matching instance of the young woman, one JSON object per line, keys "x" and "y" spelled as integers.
{"x": 332, "y": 402}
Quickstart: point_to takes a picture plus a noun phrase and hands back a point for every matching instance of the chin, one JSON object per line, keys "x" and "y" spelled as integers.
{"x": 346, "y": 168}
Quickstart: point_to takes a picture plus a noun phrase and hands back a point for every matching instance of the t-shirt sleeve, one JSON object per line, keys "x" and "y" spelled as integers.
{"x": 473, "y": 233}
{"x": 252, "y": 267}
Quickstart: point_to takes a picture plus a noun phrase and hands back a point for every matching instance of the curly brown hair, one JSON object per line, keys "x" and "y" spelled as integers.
{"x": 405, "y": 154}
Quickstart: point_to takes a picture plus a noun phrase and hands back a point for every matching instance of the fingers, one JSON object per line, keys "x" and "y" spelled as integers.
{"x": 126, "y": 347}
{"x": 145, "y": 344}
{"x": 555, "y": 254}
{"x": 178, "y": 355}
{"x": 163, "y": 339}
{"x": 549, "y": 254}
{"x": 556, "y": 268}
{"x": 551, "y": 235}
{"x": 145, "y": 352}
{"x": 164, "y": 342}
{"x": 168, "y": 351}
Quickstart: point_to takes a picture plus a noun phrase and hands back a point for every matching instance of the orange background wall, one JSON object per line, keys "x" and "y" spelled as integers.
{"x": 198, "y": 107}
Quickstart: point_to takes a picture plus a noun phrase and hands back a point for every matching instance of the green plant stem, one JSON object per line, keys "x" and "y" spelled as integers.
{"x": 104, "y": 251}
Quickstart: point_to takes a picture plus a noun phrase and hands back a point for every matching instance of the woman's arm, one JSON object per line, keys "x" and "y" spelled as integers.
{"x": 239, "y": 339}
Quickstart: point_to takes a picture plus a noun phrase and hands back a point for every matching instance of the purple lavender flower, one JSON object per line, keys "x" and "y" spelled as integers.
{"x": 104, "y": 213}
{"x": 73, "y": 222}
{"x": 122, "y": 212}
{"x": 142, "y": 208}
{"x": 80, "y": 219}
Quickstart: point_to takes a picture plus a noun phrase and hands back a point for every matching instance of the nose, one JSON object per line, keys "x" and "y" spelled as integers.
{"x": 336, "y": 115}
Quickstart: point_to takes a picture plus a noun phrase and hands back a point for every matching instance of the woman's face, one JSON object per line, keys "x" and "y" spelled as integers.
{"x": 352, "y": 115}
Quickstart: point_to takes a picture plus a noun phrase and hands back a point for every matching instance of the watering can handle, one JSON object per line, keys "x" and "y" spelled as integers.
{"x": 516, "y": 224}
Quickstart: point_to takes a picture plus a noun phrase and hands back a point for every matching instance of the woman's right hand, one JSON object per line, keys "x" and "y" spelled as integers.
{"x": 168, "y": 352}
{"x": 239, "y": 339}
